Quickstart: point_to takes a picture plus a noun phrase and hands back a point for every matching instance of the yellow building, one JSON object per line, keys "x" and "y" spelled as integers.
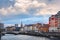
{"x": 12, "y": 28}
{"x": 36, "y": 27}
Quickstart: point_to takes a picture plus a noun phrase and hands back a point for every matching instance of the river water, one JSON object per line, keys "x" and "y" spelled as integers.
{"x": 24, "y": 37}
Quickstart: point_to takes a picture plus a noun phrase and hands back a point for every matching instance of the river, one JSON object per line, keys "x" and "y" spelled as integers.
{"x": 24, "y": 37}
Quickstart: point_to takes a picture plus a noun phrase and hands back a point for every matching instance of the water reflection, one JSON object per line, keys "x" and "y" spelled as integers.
{"x": 55, "y": 38}
{"x": 25, "y": 37}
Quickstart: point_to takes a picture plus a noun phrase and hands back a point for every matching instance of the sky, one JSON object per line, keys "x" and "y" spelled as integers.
{"x": 27, "y": 11}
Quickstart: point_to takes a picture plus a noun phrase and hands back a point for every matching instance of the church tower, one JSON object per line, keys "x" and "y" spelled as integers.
{"x": 21, "y": 24}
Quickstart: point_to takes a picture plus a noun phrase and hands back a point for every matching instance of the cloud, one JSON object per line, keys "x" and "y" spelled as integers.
{"x": 48, "y": 10}
{"x": 44, "y": 7}
{"x": 24, "y": 8}
{"x": 41, "y": 7}
{"x": 51, "y": 8}
{"x": 6, "y": 3}
{"x": 7, "y": 11}
{"x": 6, "y": 25}
{"x": 26, "y": 4}
{"x": 21, "y": 6}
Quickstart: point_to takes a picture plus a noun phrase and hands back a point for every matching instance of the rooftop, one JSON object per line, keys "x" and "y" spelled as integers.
{"x": 58, "y": 14}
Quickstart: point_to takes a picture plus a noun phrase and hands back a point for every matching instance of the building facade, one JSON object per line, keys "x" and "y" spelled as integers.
{"x": 44, "y": 28}
{"x": 10, "y": 28}
{"x": 58, "y": 18}
{"x": 16, "y": 25}
{"x": 1, "y": 25}
{"x": 33, "y": 27}
{"x": 28, "y": 27}
{"x": 54, "y": 22}
{"x": 36, "y": 27}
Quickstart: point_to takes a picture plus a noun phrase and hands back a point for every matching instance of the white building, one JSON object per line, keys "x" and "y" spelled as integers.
{"x": 53, "y": 29}
{"x": 22, "y": 29}
{"x": 28, "y": 27}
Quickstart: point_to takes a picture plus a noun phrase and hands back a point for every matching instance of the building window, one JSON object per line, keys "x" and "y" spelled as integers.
{"x": 52, "y": 18}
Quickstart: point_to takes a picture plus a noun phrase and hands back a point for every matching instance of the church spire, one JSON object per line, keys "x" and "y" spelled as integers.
{"x": 21, "y": 24}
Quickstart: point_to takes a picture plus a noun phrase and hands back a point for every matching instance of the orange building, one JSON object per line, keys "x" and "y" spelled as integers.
{"x": 36, "y": 27}
{"x": 44, "y": 28}
{"x": 41, "y": 28}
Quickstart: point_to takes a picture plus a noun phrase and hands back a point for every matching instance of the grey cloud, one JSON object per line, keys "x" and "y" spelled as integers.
{"x": 50, "y": 1}
{"x": 6, "y": 3}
